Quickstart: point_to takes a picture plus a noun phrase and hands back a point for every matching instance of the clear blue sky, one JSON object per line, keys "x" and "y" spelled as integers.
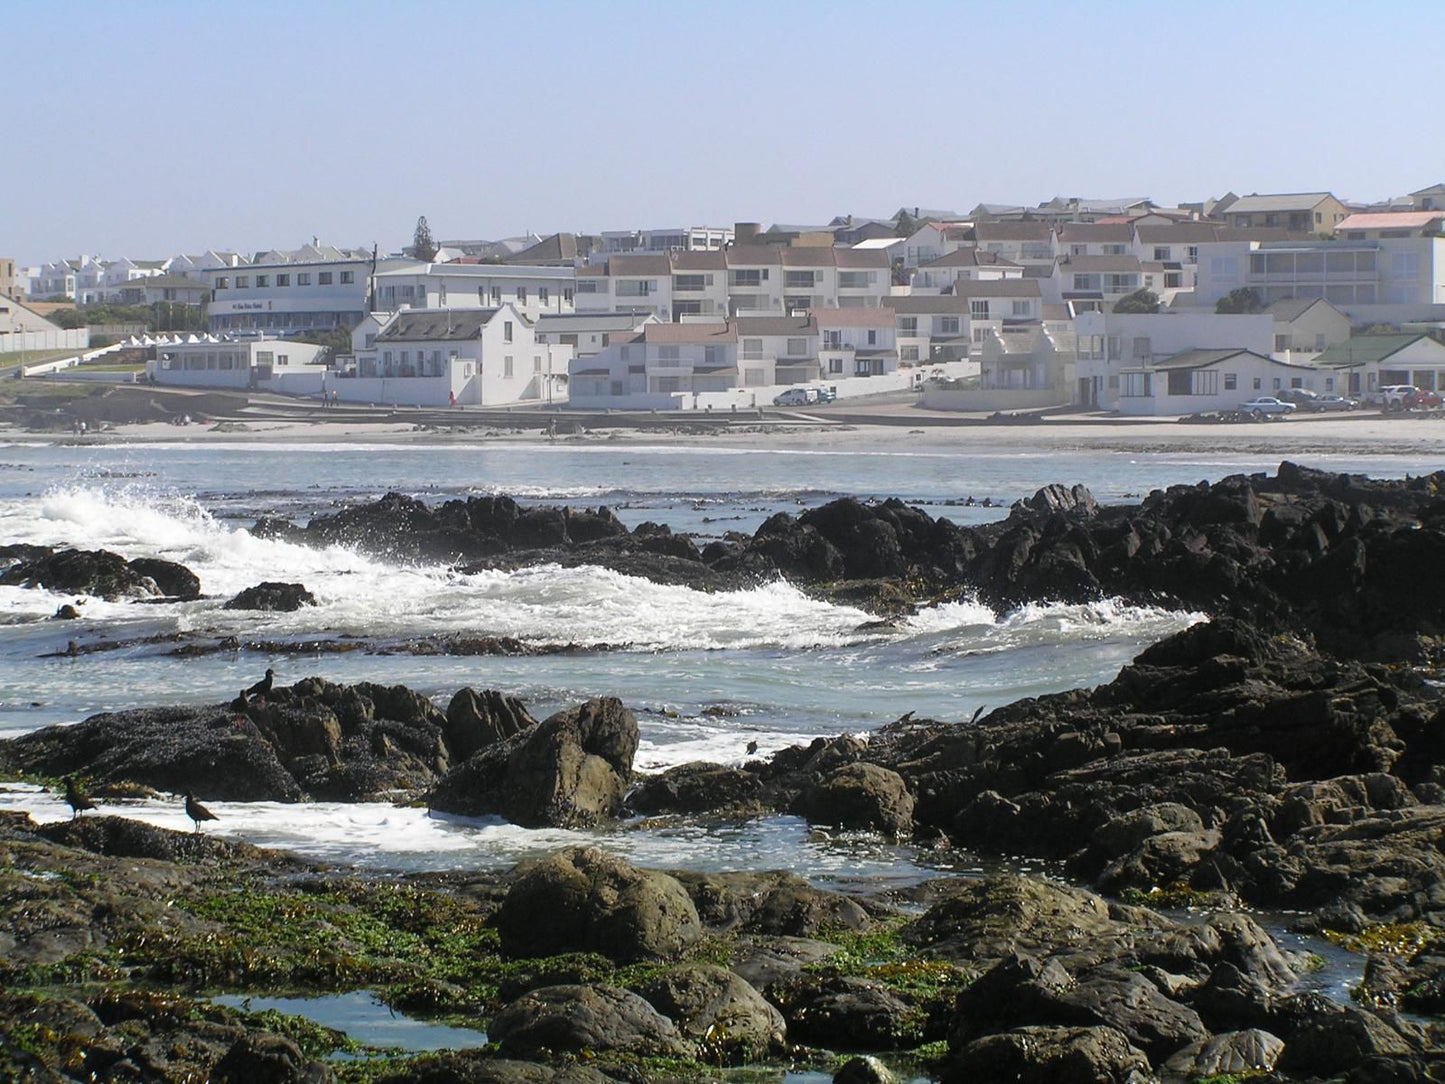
{"x": 152, "y": 127}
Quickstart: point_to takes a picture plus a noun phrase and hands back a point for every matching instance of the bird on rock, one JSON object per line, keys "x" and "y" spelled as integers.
{"x": 76, "y": 798}
{"x": 752, "y": 748}
{"x": 263, "y": 687}
{"x": 197, "y": 812}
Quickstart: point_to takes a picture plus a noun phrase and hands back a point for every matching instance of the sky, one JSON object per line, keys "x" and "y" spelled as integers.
{"x": 155, "y": 127}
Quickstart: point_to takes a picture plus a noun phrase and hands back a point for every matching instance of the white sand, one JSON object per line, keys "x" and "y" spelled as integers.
{"x": 1363, "y": 434}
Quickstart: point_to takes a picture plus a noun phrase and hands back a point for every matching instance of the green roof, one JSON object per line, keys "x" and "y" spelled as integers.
{"x": 1364, "y": 349}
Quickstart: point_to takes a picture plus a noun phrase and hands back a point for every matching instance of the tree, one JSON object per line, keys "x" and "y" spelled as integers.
{"x": 1139, "y": 301}
{"x": 1246, "y": 299}
{"x": 422, "y": 246}
{"x": 905, "y": 226}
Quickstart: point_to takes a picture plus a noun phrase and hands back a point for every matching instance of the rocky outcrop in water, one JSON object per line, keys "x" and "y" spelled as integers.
{"x": 571, "y": 769}
{"x": 274, "y": 596}
{"x": 102, "y": 574}
{"x": 312, "y": 739}
{"x": 1357, "y": 563}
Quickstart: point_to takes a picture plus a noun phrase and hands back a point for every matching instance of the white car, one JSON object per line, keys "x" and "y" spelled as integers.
{"x": 1267, "y": 404}
{"x": 791, "y": 397}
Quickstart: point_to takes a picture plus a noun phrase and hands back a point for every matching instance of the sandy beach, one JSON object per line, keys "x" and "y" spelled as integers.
{"x": 1363, "y": 433}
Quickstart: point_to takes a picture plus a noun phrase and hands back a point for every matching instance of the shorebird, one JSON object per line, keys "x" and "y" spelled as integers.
{"x": 76, "y": 798}
{"x": 262, "y": 687}
{"x": 752, "y": 748}
{"x": 197, "y": 812}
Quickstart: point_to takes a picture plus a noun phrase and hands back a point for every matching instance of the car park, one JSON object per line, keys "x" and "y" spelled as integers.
{"x": 1326, "y": 404}
{"x": 1267, "y": 406}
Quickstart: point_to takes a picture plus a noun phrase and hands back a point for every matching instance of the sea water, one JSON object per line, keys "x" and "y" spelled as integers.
{"x": 706, "y": 673}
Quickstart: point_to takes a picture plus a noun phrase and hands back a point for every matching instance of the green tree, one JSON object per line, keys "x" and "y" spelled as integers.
{"x": 422, "y": 245}
{"x": 1138, "y": 301}
{"x": 1246, "y": 299}
{"x": 905, "y": 226}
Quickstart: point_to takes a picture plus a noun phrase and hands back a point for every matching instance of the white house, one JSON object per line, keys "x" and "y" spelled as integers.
{"x": 783, "y": 348}
{"x": 1304, "y": 327}
{"x": 1101, "y": 280}
{"x": 533, "y": 291}
{"x": 856, "y": 342}
{"x": 1196, "y": 381}
{"x": 1108, "y": 343}
{"x": 1024, "y": 243}
{"x": 663, "y": 366}
{"x": 1364, "y": 363}
{"x": 967, "y": 263}
{"x": 588, "y": 333}
{"x": 461, "y": 357}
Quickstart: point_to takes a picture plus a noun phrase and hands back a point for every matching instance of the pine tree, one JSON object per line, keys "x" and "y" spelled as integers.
{"x": 422, "y": 246}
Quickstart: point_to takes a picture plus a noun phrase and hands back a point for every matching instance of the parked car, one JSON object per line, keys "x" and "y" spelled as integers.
{"x": 1395, "y": 397}
{"x": 1425, "y": 399}
{"x": 1299, "y": 396}
{"x": 826, "y": 393}
{"x": 1267, "y": 405}
{"x": 1324, "y": 404}
{"x": 791, "y": 397}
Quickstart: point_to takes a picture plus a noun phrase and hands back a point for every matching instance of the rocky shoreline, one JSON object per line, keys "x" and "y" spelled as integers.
{"x": 1284, "y": 755}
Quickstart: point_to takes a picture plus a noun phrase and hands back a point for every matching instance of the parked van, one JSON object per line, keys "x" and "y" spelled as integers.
{"x": 792, "y": 397}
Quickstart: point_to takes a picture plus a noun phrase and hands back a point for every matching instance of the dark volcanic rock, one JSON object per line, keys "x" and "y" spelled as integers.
{"x": 717, "y": 1009}
{"x": 268, "y": 1059}
{"x": 1049, "y": 1055}
{"x": 571, "y": 769}
{"x": 476, "y": 720}
{"x": 481, "y": 1067}
{"x": 860, "y": 796}
{"x": 585, "y": 900}
{"x": 697, "y": 787}
{"x": 271, "y": 595}
{"x": 102, "y": 574}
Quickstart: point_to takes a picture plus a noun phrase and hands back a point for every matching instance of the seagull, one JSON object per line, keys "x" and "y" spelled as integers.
{"x": 262, "y": 687}
{"x": 76, "y": 798}
{"x": 198, "y": 812}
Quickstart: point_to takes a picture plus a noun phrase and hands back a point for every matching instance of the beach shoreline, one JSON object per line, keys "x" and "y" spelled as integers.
{"x": 1353, "y": 434}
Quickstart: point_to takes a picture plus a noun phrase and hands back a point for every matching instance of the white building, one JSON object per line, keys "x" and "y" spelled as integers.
{"x": 1198, "y": 381}
{"x": 1365, "y": 363}
{"x": 313, "y": 288}
{"x": 663, "y": 366}
{"x": 856, "y": 342}
{"x": 963, "y": 263}
{"x": 667, "y": 239}
{"x": 533, "y": 291}
{"x": 588, "y": 333}
{"x": 457, "y": 357}
{"x": 784, "y": 349}
{"x": 266, "y": 364}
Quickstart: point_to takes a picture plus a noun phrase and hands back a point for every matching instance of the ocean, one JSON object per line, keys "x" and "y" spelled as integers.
{"x": 705, "y": 673}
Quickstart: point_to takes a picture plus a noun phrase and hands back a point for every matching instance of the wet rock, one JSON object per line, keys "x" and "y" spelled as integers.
{"x": 1325, "y": 1039}
{"x": 585, "y": 900}
{"x": 481, "y": 1067}
{"x": 697, "y": 787}
{"x": 1234, "y": 1052}
{"x": 766, "y": 961}
{"x": 776, "y": 903}
{"x": 1049, "y": 1055}
{"x": 573, "y": 1019}
{"x": 569, "y": 770}
{"x": 843, "y": 1012}
{"x": 173, "y": 580}
{"x": 716, "y": 1009}
{"x": 268, "y": 1059}
{"x": 272, "y": 595}
{"x": 89, "y": 572}
{"x": 476, "y": 720}
{"x": 863, "y": 1070}
{"x": 860, "y": 796}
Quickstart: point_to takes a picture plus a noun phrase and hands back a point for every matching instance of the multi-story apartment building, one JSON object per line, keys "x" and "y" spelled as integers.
{"x": 533, "y": 291}
{"x": 313, "y": 288}
{"x": 667, "y": 239}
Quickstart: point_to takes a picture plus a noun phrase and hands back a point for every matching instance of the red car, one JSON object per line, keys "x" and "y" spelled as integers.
{"x": 1425, "y": 399}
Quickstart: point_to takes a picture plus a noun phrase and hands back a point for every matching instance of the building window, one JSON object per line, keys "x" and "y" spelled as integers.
{"x": 542, "y": 295}
{"x": 872, "y": 337}
{"x": 536, "y": 363}
{"x": 506, "y": 331}
{"x": 753, "y": 349}
{"x": 323, "y": 278}
{"x": 263, "y": 281}
{"x": 507, "y": 366}
{"x": 481, "y": 295}
{"x": 584, "y": 286}
{"x": 223, "y": 282}
{"x": 1021, "y": 308}
{"x": 797, "y": 348}
{"x": 978, "y": 309}
{"x": 907, "y": 353}
{"x": 1231, "y": 381}
{"x": 566, "y": 296}
{"x": 669, "y": 353}
{"x": 1161, "y": 252}
{"x": 442, "y": 295}
{"x": 947, "y": 325}
{"x": 243, "y": 282}
{"x": 348, "y": 277}
{"x": 496, "y": 296}
{"x": 835, "y": 365}
{"x": 908, "y": 325}
{"x": 303, "y": 278}
{"x": 521, "y": 295}
{"x": 1257, "y": 383}
{"x": 283, "y": 280}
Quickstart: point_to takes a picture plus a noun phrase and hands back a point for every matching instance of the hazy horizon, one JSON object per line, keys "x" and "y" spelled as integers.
{"x": 159, "y": 128}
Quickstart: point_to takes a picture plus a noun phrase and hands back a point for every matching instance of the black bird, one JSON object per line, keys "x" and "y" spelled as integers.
{"x": 905, "y": 717}
{"x": 197, "y": 812}
{"x": 76, "y": 798}
{"x": 241, "y": 703}
{"x": 752, "y": 748}
{"x": 978, "y": 713}
{"x": 262, "y": 687}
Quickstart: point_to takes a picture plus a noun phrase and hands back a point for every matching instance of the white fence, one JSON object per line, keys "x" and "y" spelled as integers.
{"x": 13, "y": 341}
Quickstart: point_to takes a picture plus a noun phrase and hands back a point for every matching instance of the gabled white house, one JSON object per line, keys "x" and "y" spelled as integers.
{"x": 461, "y": 357}
{"x": 533, "y": 291}
{"x": 1197, "y": 381}
{"x": 1365, "y": 363}
{"x": 966, "y": 263}
{"x": 856, "y": 342}
{"x": 664, "y": 366}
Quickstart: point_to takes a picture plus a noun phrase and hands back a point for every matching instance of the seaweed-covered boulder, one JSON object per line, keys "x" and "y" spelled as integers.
{"x": 569, "y": 770}
{"x": 262, "y": 1058}
{"x": 718, "y": 1010}
{"x": 696, "y": 787}
{"x": 860, "y": 795}
{"x": 585, "y": 900}
{"x": 1049, "y": 1055}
